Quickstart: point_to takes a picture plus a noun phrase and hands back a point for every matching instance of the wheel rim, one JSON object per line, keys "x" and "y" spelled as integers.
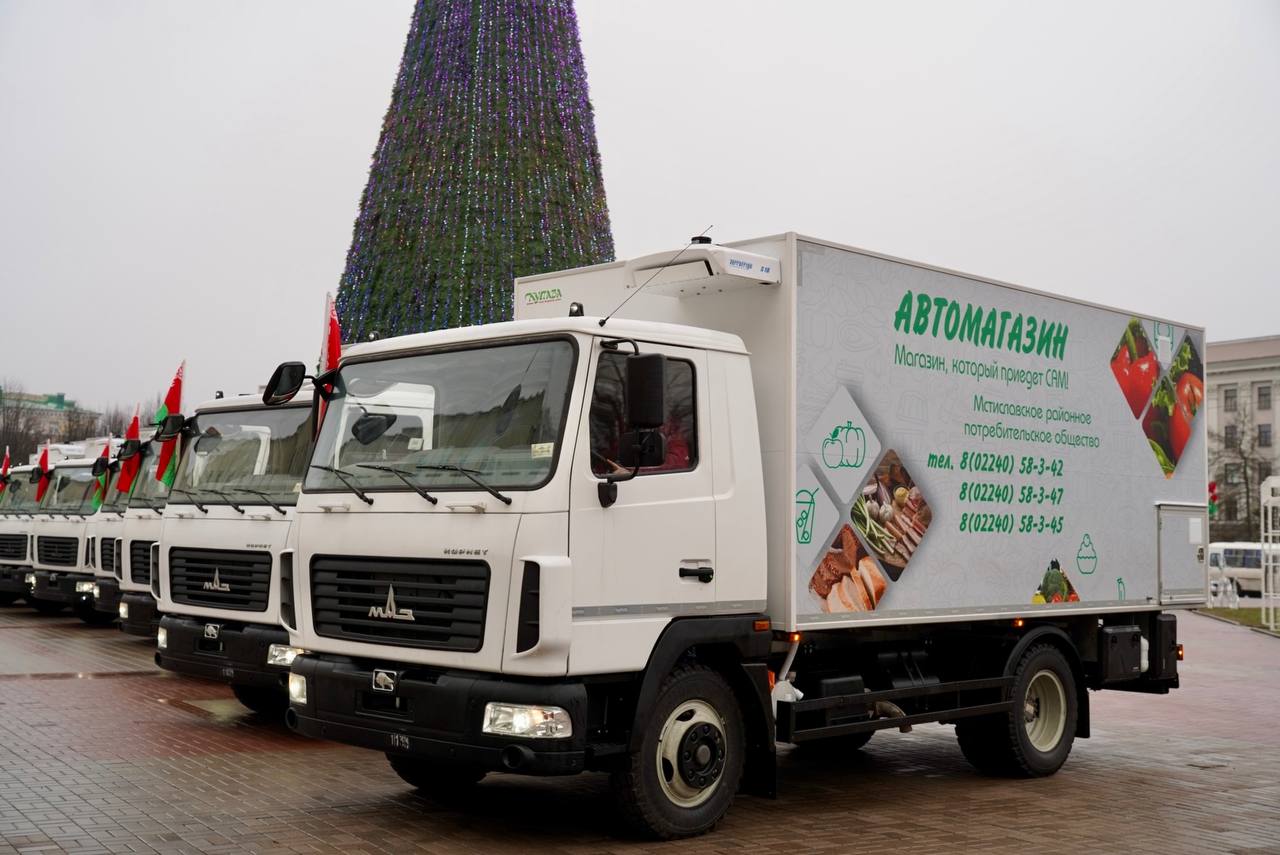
{"x": 691, "y": 753}
{"x": 1044, "y": 711}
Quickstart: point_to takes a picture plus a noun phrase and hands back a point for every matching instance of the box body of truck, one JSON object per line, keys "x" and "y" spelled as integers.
{"x": 1029, "y": 431}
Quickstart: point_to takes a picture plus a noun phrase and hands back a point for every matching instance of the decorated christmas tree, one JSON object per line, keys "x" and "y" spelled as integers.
{"x": 487, "y": 168}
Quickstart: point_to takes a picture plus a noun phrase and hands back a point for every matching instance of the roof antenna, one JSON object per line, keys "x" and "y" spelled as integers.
{"x": 699, "y": 238}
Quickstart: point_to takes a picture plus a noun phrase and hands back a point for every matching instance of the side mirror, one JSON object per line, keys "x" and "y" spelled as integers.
{"x": 36, "y": 475}
{"x": 100, "y": 467}
{"x": 646, "y": 380}
{"x": 370, "y": 426}
{"x": 285, "y": 382}
{"x": 170, "y": 427}
{"x": 129, "y": 448}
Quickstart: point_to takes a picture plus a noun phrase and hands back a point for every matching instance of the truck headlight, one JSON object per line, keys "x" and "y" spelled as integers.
{"x": 297, "y": 689}
{"x": 526, "y": 721}
{"x": 30, "y": 579}
{"x": 162, "y": 638}
{"x": 124, "y": 611}
{"x": 85, "y": 587}
{"x": 282, "y": 655}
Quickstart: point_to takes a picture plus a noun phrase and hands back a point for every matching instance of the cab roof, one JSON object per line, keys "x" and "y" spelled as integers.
{"x": 252, "y": 402}
{"x": 652, "y": 332}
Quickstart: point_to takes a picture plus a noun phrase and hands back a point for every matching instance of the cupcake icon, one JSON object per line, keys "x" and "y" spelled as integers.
{"x": 1086, "y": 557}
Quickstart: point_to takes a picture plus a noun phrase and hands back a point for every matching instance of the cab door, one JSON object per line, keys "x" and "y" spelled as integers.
{"x": 653, "y": 551}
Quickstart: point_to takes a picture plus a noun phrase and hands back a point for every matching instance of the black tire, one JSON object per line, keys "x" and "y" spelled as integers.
{"x": 647, "y": 786}
{"x": 262, "y": 700}
{"x": 46, "y": 607}
{"x": 438, "y": 780}
{"x": 1033, "y": 739}
{"x": 8, "y": 598}
{"x": 92, "y": 616}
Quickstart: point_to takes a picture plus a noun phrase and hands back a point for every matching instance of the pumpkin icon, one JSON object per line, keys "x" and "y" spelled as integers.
{"x": 845, "y": 448}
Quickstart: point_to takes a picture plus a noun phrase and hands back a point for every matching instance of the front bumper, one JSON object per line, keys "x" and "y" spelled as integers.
{"x": 13, "y": 579}
{"x": 237, "y": 655}
{"x": 108, "y": 598}
{"x": 143, "y": 617}
{"x": 57, "y": 586}
{"x": 435, "y": 715}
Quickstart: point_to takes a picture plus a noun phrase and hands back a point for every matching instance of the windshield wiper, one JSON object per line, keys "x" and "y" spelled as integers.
{"x": 470, "y": 474}
{"x": 201, "y": 508}
{"x": 403, "y": 476}
{"x": 346, "y": 478}
{"x": 266, "y": 497}
{"x": 226, "y": 496}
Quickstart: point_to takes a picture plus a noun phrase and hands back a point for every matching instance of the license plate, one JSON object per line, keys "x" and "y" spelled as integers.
{"x": 400, "y": 741}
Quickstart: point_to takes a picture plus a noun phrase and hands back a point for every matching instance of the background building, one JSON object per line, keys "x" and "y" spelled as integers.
{"x": 27, "y": 419}
{"x": 1242, "y": 382}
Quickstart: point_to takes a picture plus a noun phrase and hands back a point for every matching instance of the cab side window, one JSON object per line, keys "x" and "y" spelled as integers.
{"x": 609, "y": 418}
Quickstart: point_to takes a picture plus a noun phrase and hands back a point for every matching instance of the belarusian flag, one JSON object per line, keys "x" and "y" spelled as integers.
{"x": 331, "y": 349}
{"x": 129, "y": 468}
{"x": 167, "y": 465}
{"x": 4, "y": 471}
{"x": 100, "y": 488}
{"x": 43, "y": 486}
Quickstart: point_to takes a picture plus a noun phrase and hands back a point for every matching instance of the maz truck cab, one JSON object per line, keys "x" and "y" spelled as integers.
{"x": 17, "y": 507}
{"x": 223, "y": 543}
{"x": 139, "y": 534}
{"x": 61, "y": 575}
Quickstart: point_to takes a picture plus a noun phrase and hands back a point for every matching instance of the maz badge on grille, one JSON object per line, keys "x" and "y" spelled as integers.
{"x": 384, "y": 680}
{"x": 216, "y": 584}
{"x": 389, "y": 611}
{"x": 211, "y": 631}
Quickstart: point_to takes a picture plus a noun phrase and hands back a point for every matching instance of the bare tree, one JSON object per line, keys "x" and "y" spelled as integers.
{"x": 116, "y": 418}
{"x": 1238, "y": 463}
{"x": 19, "y": 423}
{"x": 80, "y": 424}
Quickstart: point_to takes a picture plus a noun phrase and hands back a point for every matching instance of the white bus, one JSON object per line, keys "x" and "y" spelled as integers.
{"x": 1239, "y": 563}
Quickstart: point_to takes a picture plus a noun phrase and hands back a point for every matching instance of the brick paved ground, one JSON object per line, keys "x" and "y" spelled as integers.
{"x": 100, "y": 752}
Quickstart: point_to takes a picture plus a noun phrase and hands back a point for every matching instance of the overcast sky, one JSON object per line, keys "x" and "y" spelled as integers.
{"x": 179, "y": 179}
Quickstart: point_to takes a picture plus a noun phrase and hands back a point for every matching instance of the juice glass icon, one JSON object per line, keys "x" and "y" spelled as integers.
{"x": 804, "y": 515}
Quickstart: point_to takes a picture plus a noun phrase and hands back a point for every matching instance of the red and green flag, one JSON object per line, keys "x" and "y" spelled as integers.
{"x": 43, "y": 486}
{"x": 167, "y": 465}
{"x": 4, "y": 472}
{"x": 103, "y": 480}
{"x": 330, "y": 349}
{"x": 129, "y": 468}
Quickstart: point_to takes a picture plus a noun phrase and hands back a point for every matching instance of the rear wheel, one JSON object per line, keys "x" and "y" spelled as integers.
{"x": 262, "y": 700}
{"x": 46, "y": 607}
{"x": 1034, "y": 738}
{"x": 436, "y": 779}
{"x": 683, "y": 778}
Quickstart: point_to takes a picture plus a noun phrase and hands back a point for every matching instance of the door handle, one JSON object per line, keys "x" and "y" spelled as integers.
{"x": 702, "y": 574}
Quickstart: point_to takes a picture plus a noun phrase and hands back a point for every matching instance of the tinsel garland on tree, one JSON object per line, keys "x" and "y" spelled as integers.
{"x": 487, "y": 168}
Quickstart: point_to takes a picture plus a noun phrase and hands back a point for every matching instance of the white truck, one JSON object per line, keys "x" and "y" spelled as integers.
{"x": 134, "y": 546}
{"x": 222, "y": 543}
{"x": 17, "y": 509}
{"x": 60, "y": 574}
{"x": 103, "y": 531}
{"x": 692, "y": 505}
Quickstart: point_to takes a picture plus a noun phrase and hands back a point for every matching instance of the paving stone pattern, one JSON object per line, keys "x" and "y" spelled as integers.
{"x": 101, "y": 752}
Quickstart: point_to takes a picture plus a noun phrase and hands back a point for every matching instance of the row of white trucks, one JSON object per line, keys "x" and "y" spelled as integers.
{"x": 683, "y": 510}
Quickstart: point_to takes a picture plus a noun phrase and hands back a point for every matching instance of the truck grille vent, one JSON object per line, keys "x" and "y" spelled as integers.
{"x": 59, "y": 551}
{"x": 107, "y": 555}
{"x": 13, "y": 547}
{"x": 408, "y": 602}
{"x": 140, "y": 561}
{"x": 220, "y": 578}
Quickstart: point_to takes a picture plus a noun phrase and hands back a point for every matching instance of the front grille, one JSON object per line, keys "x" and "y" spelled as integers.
{"x": 13, "y": 547}
{"x": 402, "y": 601}
{"x": 140, "y": 561}
{"x": 220, "y": 578}
{"x": 117, "y": 557}
{"x": 107, "y": 555}
{"x": 59, "y": 551}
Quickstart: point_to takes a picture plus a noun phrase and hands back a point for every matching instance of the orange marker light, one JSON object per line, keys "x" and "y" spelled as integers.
{"x": 773, "y": 680}
{"x": 762, "y": 625}
{"x": 1019, "y": 623}
{"x": 1181, "y": 653}
{"x": 793, "y": 637}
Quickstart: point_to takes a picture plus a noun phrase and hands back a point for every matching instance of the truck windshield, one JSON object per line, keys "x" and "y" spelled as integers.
{"x": 115, "y": 501}
{"x": 70, "y": 491}
{"x": 445, "y": 418}
{"x": 246, "y": 457}
{"x": 20, "y": 496}
{"x": 147, "y": 491}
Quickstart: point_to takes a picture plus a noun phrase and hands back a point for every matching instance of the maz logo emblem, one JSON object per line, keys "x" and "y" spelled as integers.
{"x": 211, "y": 630}
{"x": 389, "y": 611}
{"x": 384, "y": 681}
{"x": 217, "y": 584}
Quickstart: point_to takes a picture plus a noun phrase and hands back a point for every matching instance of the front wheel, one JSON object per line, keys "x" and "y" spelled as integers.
{"x": 682, "y": 780}
{"x": 1034, "y": 738}
{"x": 262, "y": 700}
